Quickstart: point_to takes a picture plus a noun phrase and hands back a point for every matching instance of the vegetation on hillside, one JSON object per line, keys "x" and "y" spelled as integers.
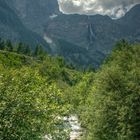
{"x": 32, "y": 93}
{"x": 112, "y": 107}
{"x": 37, "y": 91}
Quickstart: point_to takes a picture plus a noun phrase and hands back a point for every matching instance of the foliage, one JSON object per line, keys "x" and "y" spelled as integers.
{"x": 32, "y": 100}
{"x": 28, "y": 106}
{"x": 1, "y": 44}
{"x": 21, "y": 48}
{"x": 39, "y": 52}
{"x": 9, "y": 46}
{"x": 113, "y": 103}
{"x": 38, "y": 90}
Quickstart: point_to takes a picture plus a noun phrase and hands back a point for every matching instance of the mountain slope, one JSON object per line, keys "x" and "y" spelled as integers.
{"x": 12, "y": 28}
{"x": 75, "y": 54}
{"x": 92, "y": 36}
{"x": 34, "y": 13}
{"x": 131, "y": 24}
{"x": 95, "y": 33}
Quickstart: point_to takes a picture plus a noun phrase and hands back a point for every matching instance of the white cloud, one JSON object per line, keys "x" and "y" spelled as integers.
{"x": 112, "y": 8}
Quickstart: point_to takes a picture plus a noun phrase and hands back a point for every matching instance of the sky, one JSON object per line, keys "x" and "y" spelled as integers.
{"x": 113, "y": 8}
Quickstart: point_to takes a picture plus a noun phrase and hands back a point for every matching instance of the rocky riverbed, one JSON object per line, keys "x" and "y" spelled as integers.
{"x": 74, "y": 126}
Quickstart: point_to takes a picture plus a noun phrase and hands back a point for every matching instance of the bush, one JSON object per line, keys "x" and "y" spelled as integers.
{"x": 113, "y": 105}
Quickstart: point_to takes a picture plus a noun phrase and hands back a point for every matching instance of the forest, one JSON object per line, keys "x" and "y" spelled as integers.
{"x": 38, "y": 90}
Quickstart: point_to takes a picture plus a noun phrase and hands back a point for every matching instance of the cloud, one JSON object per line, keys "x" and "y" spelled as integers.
{"x": 112, "y": 8}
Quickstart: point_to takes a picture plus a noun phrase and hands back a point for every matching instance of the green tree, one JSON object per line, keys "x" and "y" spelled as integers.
{"x": 2, "y": 44}
{"x": 113, "y": 103}
{"x": 20, "y": 48}
{"x": 23, "y": 49}
{"x": 8, "y": 46}
{"x": 61, "y": 61}
{"x": 38, "y": 50}
{"x": 29, "y": 106}
{"x": 27, "y": 50}
{"x": 90, "y": 68}
{"x": 121, "y": 44}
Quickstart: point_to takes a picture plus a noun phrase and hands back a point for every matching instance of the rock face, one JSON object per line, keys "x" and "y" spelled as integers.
{"x": 79, "y": 38}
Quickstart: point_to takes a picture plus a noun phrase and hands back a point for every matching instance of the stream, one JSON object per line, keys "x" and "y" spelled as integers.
{"x": 75, "y": 127}
{"x": 76, "y": 130}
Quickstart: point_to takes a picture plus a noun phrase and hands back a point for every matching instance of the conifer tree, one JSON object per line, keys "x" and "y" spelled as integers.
{"x": 38, "y": 50}
{"x": 9, "y": 46}
{"x": 2, "y": 44}
{"x": 19, "y": 47}
{"x": 27, "y": 50}
{"x": 23, "y": 49}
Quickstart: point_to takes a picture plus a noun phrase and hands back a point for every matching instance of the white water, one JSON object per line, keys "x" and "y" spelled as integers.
{"x": 75, "y": 126}
{"x": 76, "y": 130}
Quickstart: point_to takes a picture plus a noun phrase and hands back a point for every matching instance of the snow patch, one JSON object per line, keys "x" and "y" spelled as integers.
{"x": 48, "y": 39}
{"x": 53, "y": 16}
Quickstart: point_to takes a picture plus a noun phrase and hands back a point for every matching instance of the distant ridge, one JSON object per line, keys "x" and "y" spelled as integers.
{"x": 94, "y": 36}
{"x": 12, "y": 28}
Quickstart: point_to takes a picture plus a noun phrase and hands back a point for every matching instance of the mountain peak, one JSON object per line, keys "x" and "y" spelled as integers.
{"x": 134, "y": 10}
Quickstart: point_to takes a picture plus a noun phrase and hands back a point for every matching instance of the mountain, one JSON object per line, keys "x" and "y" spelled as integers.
{"x": 131, "y": 24}
{"x": 80, "y": 39}
{"x": 97, "y": 34}
{"x": 34, "y": 13}
{"x": 12, "y": 28}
